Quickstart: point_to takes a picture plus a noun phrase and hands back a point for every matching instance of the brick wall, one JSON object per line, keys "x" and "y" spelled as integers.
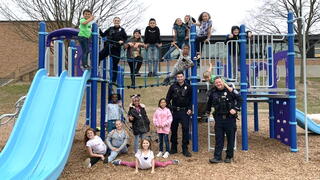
{"x": 16, "y": 53}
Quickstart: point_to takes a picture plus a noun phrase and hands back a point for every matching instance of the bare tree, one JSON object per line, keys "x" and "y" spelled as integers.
{"x": 271, "y": 18}
{"x": 67, "y": 13}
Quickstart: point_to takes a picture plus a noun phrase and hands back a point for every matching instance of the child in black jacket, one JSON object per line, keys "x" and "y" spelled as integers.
{"x": 116, "y": 36}
{"x": 152, "y": 42}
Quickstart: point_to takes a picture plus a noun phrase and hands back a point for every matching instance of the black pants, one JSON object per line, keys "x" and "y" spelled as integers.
{"x": 114, "y": 52}
{"x": 224, "y": 127}
{"x": 199, "y": 42}
{"x": 94, "y": 160}
{"x": 184, "y": 119}
{"x": 134, "y": 65}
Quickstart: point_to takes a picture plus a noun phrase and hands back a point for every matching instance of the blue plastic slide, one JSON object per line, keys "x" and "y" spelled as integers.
{"x": 41, "y": 140}
{"x": 312, "y": 126}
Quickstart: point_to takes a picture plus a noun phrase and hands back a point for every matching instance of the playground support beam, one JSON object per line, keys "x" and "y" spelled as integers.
{"x": 243, "y": 86}
{"x": 42, "y": 45}
{"x": 94, "y": 76}
{"x": 103, "y": 101}
{"x": 291, "y": 85}
{"x": 194, "y": 86}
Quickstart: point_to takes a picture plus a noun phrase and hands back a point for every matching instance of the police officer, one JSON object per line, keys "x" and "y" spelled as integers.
{"x": 179, "y": 97}
{"x": 226, "y": 103}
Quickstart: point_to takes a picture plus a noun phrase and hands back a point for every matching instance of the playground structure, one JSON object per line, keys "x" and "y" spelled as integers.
{"x": 53, "y": 102}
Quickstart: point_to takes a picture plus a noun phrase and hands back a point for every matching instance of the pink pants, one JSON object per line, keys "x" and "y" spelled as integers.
{"x": 156, "y": 164}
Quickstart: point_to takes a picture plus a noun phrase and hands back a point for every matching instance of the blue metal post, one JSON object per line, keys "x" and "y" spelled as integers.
{"x": 60, "y": 56}
{"x": 103, "y": 101}
{"x": 94, "y": 75}
{"x": 73, "y": 52}
{"x": 218, "y": 65}
{"x": 122, "y": 85}
{"x": 271, "y": 106}
{"x": 42, "y": 45}
{"x": 110, "y": 74}
{"x": 194, "y": 85}
{"x": 271, "y": 119}
{"x": 256, "y": 116}
{"x": 243, "y": 87}
{"x": 291, "y": 85}
{"x": 88, "y": 104}
{"x": 119, "y": 80}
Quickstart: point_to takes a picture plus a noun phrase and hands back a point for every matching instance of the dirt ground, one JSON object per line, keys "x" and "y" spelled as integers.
{"x": 266, "y": 158}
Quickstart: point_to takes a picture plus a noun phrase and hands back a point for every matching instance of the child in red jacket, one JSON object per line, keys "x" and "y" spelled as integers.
{"x": 162, "y": 119}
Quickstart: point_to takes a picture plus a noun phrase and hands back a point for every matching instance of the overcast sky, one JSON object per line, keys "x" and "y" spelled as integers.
{"x": 224, "y": 13}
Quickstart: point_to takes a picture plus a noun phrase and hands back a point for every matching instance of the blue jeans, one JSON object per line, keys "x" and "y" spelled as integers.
{"x": 180, "y": 44}
{"x": 136, "y": 141}
{"x": 153, "y": 58}
{"x": 111, "y": 124}
{"x": 84, "y": 43}
{"x": 166, "y": 141}
{"x": 114, "y": 154}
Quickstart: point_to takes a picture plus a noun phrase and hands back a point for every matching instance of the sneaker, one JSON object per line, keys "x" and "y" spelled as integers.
{"x": 175, "y": 161}
{"x": 214, "y": 160}
{"x": 87, "y": 163}
{"x": 228, "y": 160}
{"x": 166, "y": 154}
{"x": 159, "y": 154}
{"x": 116, "y": 162}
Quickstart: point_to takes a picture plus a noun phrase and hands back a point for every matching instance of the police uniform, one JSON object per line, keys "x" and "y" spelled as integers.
{"x": 180, "y": 98}
{"x": 225, "y": 123}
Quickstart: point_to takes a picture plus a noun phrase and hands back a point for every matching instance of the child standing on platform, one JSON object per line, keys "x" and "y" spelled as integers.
{"x": 84, "y": 36}
{"x": 152, "y": 42}
{"x": 145, "y": 159}
{"x": 204, "y": 35}
{"x": 140, "y": 122}
{"x": 162, "y": 119}
{"x": 134, "y": 45}
{"x": 180, "y": 37}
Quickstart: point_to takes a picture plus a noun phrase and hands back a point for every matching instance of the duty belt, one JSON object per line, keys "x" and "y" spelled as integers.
{"x": 179, "y": 108}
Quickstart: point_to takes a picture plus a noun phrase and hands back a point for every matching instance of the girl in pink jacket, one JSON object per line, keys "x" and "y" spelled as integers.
{"x": 162, "y": 119}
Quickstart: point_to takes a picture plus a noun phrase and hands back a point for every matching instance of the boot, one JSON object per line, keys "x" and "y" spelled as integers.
{"x": 173, "y": 149}
{"x": 185, "y": 152}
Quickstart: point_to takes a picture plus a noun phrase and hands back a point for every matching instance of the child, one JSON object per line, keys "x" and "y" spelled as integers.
{"x": 117, "y": 141}
{"x": 162, "y": 119}
{"x": 95, "y": 147}
{"x": 188, "y": 20}
{"x": 145, "y": 159}
{"x": 204, "y": 35}
{"x": 139, "y": 119}
{"x": 117, "y": 36}
{"x": 114, "y": 111}
{"x": 181, "y": 37}
{"x": 234, "y": 48}
{"x": 184, "y": 62}
{"x": 84, "y": 36}
{"x": 152, "y": 43}
{"x": 134, "y": 46}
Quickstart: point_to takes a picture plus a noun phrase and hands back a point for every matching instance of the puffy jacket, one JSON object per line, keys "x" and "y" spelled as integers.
{"x": 162, "y": 119}
{"x": 140, "y": 122}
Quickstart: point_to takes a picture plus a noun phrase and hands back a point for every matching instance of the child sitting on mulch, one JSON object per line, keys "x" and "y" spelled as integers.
{"x": 95, "y": 147}
{"x": 117, "y": 141}
{"x": 145, "y": 159}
